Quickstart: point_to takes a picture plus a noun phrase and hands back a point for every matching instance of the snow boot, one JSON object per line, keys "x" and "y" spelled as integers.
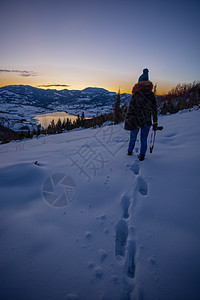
{"x": 141, "y": 157}
{"x": 129, "y": 153}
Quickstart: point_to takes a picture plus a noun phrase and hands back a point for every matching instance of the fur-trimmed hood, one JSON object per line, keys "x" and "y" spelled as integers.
{"x": 142, "y": 85}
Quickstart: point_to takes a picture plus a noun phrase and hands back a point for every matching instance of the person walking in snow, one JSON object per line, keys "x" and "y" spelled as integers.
{"x": 141, "y": 109}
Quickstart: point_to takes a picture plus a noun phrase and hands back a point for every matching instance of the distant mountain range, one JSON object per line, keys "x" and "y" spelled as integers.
{"x": 51, "y": 99}
{"x": 19, "y": 104}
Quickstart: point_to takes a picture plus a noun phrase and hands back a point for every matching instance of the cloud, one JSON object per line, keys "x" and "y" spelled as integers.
{"x": 54, "y": 85}
{"x": 20, "y": 72}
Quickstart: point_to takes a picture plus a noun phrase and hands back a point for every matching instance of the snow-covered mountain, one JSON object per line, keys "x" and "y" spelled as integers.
{"x": 82, "y": 220}
{"x": 20, "y": 103}
{"x": 49, "y": 98}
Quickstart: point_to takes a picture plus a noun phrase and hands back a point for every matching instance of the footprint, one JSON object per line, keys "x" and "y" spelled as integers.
{"x": 125, "y": 203}
{"x": 103, "y": 254}
{"x": 135, "y": 167}
{"x": 121, "y": 238}
{"x": 131, "y": 259}
{"x": 88, "y": 235}
{"x": 142, "y": 186}
{"x": 98, "y": 272}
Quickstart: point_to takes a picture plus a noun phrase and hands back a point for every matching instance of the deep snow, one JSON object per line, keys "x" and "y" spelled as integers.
{"x": 128, "y": 230}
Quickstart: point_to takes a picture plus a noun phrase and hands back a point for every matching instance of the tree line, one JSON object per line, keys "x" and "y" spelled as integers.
{"x": 182, "y": 96}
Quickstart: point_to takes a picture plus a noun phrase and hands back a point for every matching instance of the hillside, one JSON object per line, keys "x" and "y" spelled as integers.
{"x": 82, "y": 220}
{"x": 20, "y": 103}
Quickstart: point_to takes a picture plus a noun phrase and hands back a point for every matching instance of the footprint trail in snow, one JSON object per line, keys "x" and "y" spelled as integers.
{"x": 125, "y": 203}
{"x": 121, "y": 238}
{"x": 142, "y": 186}
{"x": 135, "y": 167}
{"x": 125, "y": 244}
{"x": 131, "y": 259}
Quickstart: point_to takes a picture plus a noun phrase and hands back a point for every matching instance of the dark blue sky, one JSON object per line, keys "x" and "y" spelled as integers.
{"x": 99, "y": 43}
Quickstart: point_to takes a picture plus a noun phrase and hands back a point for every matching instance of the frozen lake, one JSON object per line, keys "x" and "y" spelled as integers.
{"x": 45, "y": 119}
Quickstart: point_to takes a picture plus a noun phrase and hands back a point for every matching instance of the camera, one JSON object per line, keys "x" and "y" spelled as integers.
{"x": 159, "y": 128}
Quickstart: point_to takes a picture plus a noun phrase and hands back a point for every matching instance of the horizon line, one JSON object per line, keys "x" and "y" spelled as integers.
{"x": 50, "y": 87}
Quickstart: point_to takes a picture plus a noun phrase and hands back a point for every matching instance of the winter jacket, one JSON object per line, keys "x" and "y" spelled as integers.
{"x": 142, "y": 106}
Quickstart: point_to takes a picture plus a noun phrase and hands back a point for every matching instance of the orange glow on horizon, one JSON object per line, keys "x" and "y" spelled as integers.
{"x": 124, "y": 88}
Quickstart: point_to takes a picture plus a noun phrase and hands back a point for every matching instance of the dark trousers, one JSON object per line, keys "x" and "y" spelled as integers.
{"x": 143, "y": 139}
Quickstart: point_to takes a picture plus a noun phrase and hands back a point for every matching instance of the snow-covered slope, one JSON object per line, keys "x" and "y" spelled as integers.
{"x": 124, "y": 229}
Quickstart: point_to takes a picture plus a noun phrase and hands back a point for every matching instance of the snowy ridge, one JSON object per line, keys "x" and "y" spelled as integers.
{"x": 82, "y": 220}
{"x": 15, "y": 99}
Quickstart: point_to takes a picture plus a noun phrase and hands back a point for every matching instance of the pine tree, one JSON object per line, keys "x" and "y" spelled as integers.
{"x": 124, "y": 109}
{"x": 59, "y": 126}
{"x": 164, "y": 109}
{"x": 82, "y": 119}
{"x": 53, "y": 127}
{"x": 155, "y": 89}
{"x": 68, "y": 124}
{"x": 178, "y": 105}
{"x": 33, "y": 132}
{"x": 28, "y": 134}
{"x": 21, "y": 135}
{"x": 116, "y": 109}
{"x": 171, "y": 108}
{"x": 38, "y": 130}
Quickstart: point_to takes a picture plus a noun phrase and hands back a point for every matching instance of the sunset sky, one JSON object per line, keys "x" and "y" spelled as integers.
{"x": 105, "y": 43}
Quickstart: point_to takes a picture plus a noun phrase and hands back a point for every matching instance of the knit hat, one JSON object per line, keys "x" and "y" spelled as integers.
{"x": 144, "y": 76}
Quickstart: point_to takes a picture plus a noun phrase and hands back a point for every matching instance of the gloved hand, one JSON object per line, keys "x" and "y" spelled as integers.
{"x": 155, "y": 125}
